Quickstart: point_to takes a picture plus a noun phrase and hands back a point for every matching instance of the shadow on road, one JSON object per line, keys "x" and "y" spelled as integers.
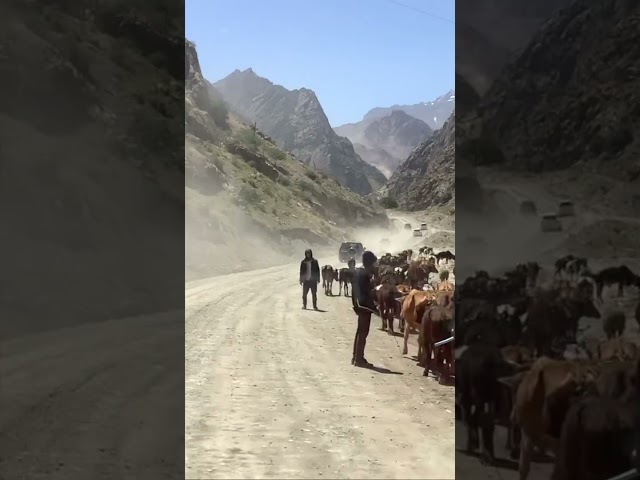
{"x": 382, "y": 370}
{"x": 499, "y": 462}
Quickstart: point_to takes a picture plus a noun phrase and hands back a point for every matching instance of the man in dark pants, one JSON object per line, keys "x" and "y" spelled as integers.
{"x": 364, "y": 305}
{"x": 309, "y": 278}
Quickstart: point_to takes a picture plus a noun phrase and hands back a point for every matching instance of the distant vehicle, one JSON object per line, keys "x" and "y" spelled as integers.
{"x": 423, "y": 226}
{"x": 350, "y": 250}
{"x": 566, "y": 209}
{"x": 528, "y": 207}
{"x": 417, "y": 232}
{"x": 407, "y": 226}
{"x": 550, "y": 223}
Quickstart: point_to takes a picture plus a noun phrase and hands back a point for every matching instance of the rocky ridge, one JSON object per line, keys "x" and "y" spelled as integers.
{"x": 427, "y": 178}
{"x": 296, "y": 121}
{"x": 570, "y": 98}
{"x": 386, "y": 142}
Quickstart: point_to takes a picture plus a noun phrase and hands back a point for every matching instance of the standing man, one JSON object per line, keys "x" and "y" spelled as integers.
{"x": 364, "y": 305}
{"x": 309, "y": 278}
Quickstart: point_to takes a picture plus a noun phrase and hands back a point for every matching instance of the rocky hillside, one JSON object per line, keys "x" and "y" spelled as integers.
{"x": 427, "y": 178}
{"x": 296, "y": 121}
{"x": 249, "y": 204}
{"x": 569, "y": 99}
{"x": 433, "y": 113}
{"x": 91, "y": 105}
{"x": 386, "y": 142}
{"x": 490, "y": 32}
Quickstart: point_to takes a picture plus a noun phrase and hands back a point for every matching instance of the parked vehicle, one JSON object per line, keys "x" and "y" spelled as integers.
{"x": 417, "y": 232}
{"x": 423, "y": 226}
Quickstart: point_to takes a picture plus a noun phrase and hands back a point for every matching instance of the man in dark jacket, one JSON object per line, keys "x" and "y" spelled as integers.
{"x": 309, "y": 278}
{"x": 364, "y": 305}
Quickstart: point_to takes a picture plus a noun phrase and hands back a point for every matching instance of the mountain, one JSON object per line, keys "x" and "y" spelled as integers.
{"x": 295, "y": 119}
{"x": 249, "y": 204}
{"x": 427, "y": 178}
{"x": 569, "y": 98}
{"x": 432, "y": 113}
{"x": 91, "y": 105}
{"x": 490, "y": 32}
{"x": 386, "y": 142}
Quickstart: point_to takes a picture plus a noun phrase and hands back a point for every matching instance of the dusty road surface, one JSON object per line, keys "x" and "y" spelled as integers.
{"x": 270, "y": 391}
{"x": 73, "y": 406}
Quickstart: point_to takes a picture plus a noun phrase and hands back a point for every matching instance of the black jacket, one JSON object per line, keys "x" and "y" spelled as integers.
{"x": 362, "y": 292}
{"x": 315, "y": 270}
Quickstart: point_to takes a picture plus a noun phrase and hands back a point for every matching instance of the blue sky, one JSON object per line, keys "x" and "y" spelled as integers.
{"x": 355, "y": 54}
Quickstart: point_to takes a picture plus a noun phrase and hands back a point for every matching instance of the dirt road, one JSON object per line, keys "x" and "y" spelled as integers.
{"x": 73, "y": 405}
{"x": 270, "y": 391}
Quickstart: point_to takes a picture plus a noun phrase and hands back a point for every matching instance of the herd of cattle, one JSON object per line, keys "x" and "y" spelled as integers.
{"x": 522, "y": 365}
{"x": 404, "y": 292}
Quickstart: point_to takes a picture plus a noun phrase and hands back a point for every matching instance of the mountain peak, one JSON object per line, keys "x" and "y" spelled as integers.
{"x": 433, "y": 113}
{"x": 295, "y": 119}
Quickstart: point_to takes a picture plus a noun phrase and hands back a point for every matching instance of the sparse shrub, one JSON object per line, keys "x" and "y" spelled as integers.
{"x": 284, "y": 181}
{"x": 277, "y": 154}
{"x": 444, "y": 275}
{"x": 248, "y": 195}
{"x": 389, "y": 202}
{"x": 312, "y": 175}
{"x": 218, "y": 163}
{"x": 251, "y": 140}
{"x": 219, "y": 113}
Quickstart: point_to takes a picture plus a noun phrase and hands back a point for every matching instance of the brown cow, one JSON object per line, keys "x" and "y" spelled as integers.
{"x": 436, "y": 325}
{"x": 328, "y": 276}
{"x": 419, "y": 272}
{"x": 541, "y": 402}
{"x": 597, "y": 439}
{"x": 412, "y": 306}
{"x": 387, "y": 293}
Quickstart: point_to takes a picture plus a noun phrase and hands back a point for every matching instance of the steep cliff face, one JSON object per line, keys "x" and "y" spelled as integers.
{"x": 427, "y": 177}
{"x": 296, "y": 120}
{"x": 386, "y": 142}
{"x": 571, "y": 97}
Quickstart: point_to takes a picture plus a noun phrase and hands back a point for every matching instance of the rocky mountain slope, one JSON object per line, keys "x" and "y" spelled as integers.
{"x": 433, "y": 113}
{"x": 248, "y": 202}
{"x": 296, "y": 121}
{"x": 386, "y": 142}
{"x": 90, "y": 105}
{"x": 427, "y": 178}
{"x": 569, "y": 99}
{"x": 490, "y": 32}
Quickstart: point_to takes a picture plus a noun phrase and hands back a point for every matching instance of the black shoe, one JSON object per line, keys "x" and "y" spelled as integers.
{"x": 304, "y": 307}
{"x": 363, "y": 363}
{"x": 315, "y": 307}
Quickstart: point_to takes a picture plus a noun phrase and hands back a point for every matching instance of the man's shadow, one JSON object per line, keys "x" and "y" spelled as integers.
{"x": 382, "y": 370}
